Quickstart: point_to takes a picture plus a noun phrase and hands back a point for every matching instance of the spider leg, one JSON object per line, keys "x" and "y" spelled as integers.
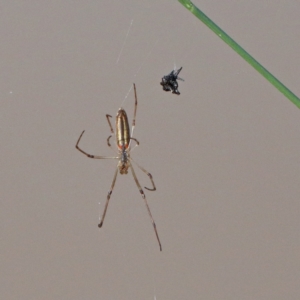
{"x": 137, "y": 144}
{"x": 90, "y": 155}
{"x": 148, "y": 174}
{"x": 108, "y": 143}
{"x": 109, "y": 123}
{"x": 108, "y": 197}
{"x": 135, "y": 108}
{"x": 146, "y": 203}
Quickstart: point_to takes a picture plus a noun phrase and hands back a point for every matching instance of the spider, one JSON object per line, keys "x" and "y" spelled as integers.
{"x": 169, "y": 82}
{"x": 123, "y": 141}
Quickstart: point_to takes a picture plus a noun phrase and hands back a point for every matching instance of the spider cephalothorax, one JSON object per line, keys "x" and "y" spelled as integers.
{"x": 123, "y": 164}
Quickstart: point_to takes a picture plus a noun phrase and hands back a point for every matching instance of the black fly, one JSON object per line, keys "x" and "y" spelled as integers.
{"x": 169, "y": 82}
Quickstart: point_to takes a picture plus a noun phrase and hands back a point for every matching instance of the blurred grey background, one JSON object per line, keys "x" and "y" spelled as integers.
{"x": 224, "y": 154}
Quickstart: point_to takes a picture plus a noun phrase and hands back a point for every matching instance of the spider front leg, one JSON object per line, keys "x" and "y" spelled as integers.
{"x": 135, "y": 108}
{"x": 108, "y": 143}
{"x": 110, "y": 126}
{"x": 90, "y": 155}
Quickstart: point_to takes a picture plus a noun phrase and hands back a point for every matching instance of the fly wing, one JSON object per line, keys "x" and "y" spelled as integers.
{"x": 176, "y": 72}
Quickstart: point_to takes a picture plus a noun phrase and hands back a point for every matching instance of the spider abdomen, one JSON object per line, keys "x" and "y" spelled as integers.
{"x": 122, "y": 130}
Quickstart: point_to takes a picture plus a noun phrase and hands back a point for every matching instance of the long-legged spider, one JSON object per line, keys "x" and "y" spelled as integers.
{"x": 123, "y": 141}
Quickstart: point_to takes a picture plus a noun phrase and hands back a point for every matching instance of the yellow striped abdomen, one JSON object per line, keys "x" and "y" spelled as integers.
{"x": 122, "y": 130}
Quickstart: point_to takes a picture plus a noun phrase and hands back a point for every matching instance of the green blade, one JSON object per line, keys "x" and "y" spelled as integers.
{"x": 238, "y": 49}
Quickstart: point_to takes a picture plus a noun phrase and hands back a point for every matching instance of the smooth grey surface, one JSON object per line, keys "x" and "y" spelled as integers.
{"x": 224, "y": 154}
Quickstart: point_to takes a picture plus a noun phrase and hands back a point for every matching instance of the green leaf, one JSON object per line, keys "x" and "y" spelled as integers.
{"x": 238, "y": 49}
